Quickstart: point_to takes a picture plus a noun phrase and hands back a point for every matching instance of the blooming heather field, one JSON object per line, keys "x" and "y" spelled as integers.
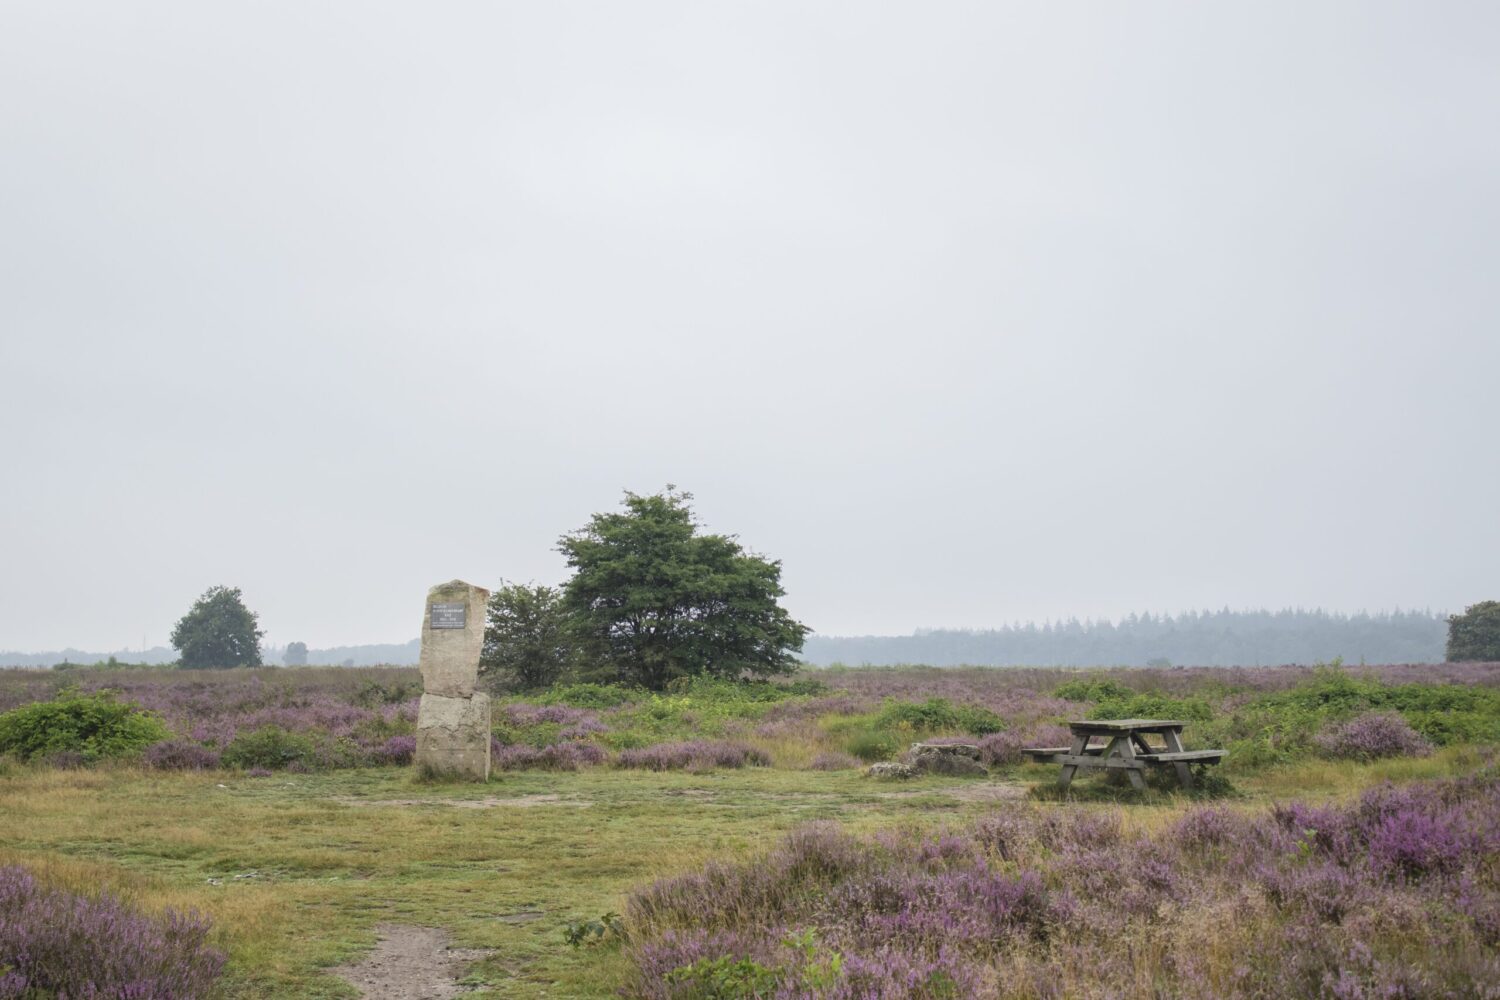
{"x": 254, "y": 829}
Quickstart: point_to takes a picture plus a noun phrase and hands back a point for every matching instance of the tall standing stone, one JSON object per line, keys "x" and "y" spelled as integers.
{"x": 453, "y": 722}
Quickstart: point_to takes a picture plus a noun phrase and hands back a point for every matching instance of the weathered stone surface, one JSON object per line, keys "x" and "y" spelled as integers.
{"x": 951, "y": 765}
{"x": 453, "y": 735}
{"x": 952, "y": 759}
{"x": 969, "y": 750}
{"x": 891, "y": 769}
{"x": 453, "y": 720}
{"x": 450, "y": 656}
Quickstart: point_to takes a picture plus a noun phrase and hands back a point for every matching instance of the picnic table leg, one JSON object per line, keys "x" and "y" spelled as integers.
{"x": 1068, "y": 770}
{"x": 1174, "y": 745}
{"x": 1123, "y": 743}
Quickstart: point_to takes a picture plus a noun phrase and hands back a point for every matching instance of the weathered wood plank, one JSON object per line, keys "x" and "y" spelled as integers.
{"x": 1198, "y": 756}
{"x": 1124, "y": 725}
{"x": 1049, "y": 751}
{"x": 1080, "y": 760}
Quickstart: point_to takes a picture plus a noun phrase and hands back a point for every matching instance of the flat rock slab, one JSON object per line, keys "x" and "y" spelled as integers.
{"x": 970, "y": 750}
{"x": 411, "y": 963}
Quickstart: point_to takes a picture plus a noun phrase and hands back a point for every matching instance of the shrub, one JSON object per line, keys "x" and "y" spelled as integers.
{"x": 180, "y": 755}
{"x": 1370, "y": 736}
{"x": 587, "y": 695}
{"x": 1153, "y": 706}
{"x": 936, "y": 714}
{"x": 872, "y": 745}
{"x": 94, "y": 725}
{"x": 1393, "y": 896}
{"x": 1093, "y": 689}
{"x": 270, "y": 747}
{"x": 59, "y": 944}
{"x": 557, "y": 757}
{"x": 833, "y": 760}
{"x": 692, "y": 755}
{"x": 397, "y": 750}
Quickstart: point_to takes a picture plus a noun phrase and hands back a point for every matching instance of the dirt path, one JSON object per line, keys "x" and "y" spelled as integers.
{"x": 491, "y": 802}
{"x": 411, "y": 963}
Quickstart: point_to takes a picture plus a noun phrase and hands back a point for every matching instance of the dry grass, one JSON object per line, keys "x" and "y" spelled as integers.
{"x": 323, "y": 872}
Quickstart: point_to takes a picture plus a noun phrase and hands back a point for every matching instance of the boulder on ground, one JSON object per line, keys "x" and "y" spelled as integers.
{"x": 891, "y": 769}
{"x": 953, "y": 759}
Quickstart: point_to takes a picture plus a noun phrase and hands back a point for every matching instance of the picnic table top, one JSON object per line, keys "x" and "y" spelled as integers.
{"x": 1125, "y": 725}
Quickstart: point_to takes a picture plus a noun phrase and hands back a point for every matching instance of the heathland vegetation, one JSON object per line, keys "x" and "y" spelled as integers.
{"x": 665, "y": 833}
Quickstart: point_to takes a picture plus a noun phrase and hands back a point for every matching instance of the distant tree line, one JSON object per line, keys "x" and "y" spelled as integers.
{"x": 1198, "y": 638}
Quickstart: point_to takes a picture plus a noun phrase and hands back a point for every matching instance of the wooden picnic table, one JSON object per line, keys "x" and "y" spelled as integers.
{"x": 1126, "y": 749}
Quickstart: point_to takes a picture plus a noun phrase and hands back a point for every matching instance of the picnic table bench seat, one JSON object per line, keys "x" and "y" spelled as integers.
{"x": 1043, "y": 755}
{"x": 1186, "y": 756}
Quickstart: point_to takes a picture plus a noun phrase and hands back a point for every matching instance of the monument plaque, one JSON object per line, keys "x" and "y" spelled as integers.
{"x": 448, "y": 615}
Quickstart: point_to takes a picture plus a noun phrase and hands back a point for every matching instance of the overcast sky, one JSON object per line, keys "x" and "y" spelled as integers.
{"x": 968, "y": 313}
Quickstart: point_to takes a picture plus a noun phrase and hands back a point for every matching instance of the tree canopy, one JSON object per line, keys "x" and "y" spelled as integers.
{"x": 527, "y": 636}
{"x": 218, "y": 631}
{"x": 654, "y": 599}
{"x": 1475, "y": 634}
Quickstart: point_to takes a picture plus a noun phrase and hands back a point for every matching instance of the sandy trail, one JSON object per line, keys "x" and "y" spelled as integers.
{"x": 411, "y": 963}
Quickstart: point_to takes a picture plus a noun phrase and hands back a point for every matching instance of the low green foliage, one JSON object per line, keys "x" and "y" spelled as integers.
{"x": 936, "y": 715}
{"x": 1092, "y": 689}
{"x": 1279, "y": 727}
{"x": 587, "y": 695}
{"x": 270, "y": 747}
{"x": 578, "y": 933}
{"x": 1153, "y": 706}
{"x": 94, "y": 725}
{"x": 724, "y": 978}
{"x": 870, "y": 745}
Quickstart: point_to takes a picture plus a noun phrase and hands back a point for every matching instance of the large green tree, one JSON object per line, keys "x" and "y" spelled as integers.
{"x": 654, "y": 599}
{"x": 218, "y": 631}
{"x": 1475, "y": 634}
{"x": 527, "y": 636}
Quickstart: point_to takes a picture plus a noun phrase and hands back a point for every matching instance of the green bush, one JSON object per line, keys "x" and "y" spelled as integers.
{"x": 270, "y": 747}
{"x": 923, "y": 717}
{"x": 870, "y": 745}
{"x": 978, "y": 720}
{"x": 94, "y": 725}
{"x": 1092, "y": 689}
{"x": 587, "y": 695}
{"x": 936, "y": 715}
{"x": 1153, "y": 706}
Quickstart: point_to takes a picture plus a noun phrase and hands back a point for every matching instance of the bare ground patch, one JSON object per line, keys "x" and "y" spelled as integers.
{"x": 411, "y": 963}
{"x": 990, "y": 791}
{"x": 489, "y": 802}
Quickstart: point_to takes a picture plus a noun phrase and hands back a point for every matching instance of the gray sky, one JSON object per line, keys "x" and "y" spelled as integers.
{"x": 966, "y": 312}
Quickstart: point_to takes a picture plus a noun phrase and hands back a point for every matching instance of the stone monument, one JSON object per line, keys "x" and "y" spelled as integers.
{"x": 453, "y": 722}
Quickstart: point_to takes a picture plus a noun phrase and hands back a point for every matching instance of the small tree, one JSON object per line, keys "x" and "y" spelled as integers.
{"x": 656, "y": 600}
{"x": 527, "y": 638}
{"x": 218, "y": 631}
{"x": 1475, "y": 634}
{"x": 295, "y": 655}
